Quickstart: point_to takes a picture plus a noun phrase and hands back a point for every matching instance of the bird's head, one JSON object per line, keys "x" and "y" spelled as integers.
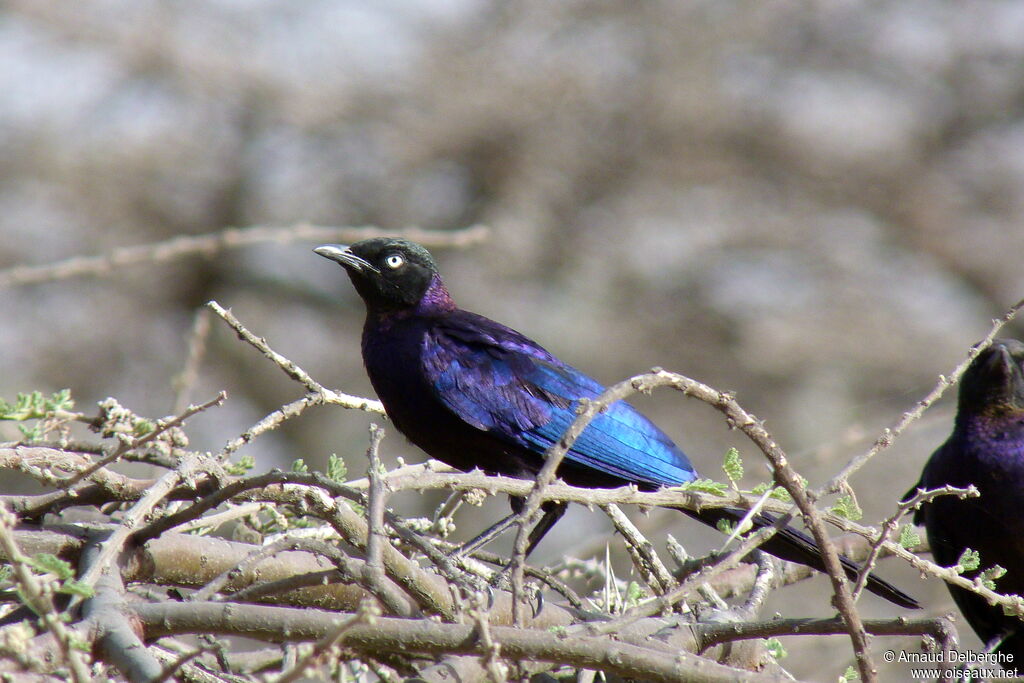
{"x": 390, "y": 274}
{"x": 993, "y": 385}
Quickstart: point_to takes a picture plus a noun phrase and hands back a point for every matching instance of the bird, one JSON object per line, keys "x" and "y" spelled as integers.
{"x": 985, "y": 450}
{"x": 476, "y": 394}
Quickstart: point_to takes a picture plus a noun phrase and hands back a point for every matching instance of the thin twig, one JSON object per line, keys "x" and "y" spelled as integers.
{"x": 889, "y": 526}
{"x": 319, "y": 497}
{"x": 129, "y": 445}
{"x": 171, "y": 668}
{"x": 664, "y": 603}
{"x": 277, "y": 587}
{"x": 318, "y": 394}
{"x": 940, "y": 628}
{"x": 288, "y": 367}
{"x": 642, "y": 551}
{"x": 543, "y": 575}
{"x": 347, "y": 570}
{"x": 217, "y": 520}
{"x": 679, "y": 555}
{"x": 1011, "y": 604}
{"x": 496, "y": 669}
{"x": 891, "y": 433}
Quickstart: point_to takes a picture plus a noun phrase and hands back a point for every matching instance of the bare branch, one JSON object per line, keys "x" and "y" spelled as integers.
{"x": 423, "y": 637}
{"x": 376, "y": 540}
{"x": 940, "y": 628}
{"x": 106, "y": 614}
{"x": 318, "y": 394}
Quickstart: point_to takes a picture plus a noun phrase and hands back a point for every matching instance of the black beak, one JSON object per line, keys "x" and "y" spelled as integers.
{"x": 339, "y": 253}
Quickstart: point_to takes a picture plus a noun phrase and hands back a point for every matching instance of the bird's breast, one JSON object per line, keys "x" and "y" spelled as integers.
{"x": 392, "y": 358}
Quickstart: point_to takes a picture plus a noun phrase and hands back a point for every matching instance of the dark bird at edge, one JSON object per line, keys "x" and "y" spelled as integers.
{"x": 474, "y": 393}
{"x": 986, "y": 449}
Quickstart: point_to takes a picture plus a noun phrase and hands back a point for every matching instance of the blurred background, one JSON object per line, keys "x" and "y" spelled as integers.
{"x": 817, "y": 205}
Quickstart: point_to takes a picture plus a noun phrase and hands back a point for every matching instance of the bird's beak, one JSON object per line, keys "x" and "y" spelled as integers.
{"x": 340, "y": 253}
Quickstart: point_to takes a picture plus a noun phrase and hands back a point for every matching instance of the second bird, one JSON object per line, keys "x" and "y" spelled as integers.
{"x": 474, "y": 393}
{"x": 985, "y": 450}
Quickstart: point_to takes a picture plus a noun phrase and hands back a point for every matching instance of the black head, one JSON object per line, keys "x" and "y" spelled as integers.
{"x": 994, "y": 383}
{"x": 390, "y": 274}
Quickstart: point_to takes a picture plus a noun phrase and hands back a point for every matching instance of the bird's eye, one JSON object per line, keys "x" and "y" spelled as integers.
{"x": 394, "y": 261}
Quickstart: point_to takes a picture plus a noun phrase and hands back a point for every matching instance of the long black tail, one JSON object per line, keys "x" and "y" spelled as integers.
{"x": 796, "y": 546}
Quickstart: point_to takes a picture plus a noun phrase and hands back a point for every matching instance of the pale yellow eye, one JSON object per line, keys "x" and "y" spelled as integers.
{"x": 394, "y": 261}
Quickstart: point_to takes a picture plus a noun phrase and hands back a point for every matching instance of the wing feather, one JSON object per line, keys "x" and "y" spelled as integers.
{"x": 501, "y": 382}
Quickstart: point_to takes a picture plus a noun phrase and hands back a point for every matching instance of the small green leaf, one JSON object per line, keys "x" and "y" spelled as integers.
{"x": 733, "y": 465}
{"x": 34, "y": 405}
{"x": 51, "y": 564}
{"x": 725, "y": 526}
{"x": 850, "y": 674}
{"x": 300, "y": 466}
{"x": 705, "y": 486}
{"x": 775, "y": 648}
{"x": 75, "y": 587}
{"x": 5, "y": 573}
{"x": 846, "y": 506}
{"x": 1015, "y": 608}
{"x": 142, "y": 426}
{"x": 969, "y": 561}
{"x": 61, "y": 400}
{"x": 909, "y": 536}
{"x": 778, "y": 493}
{"x": 990, "y": 575}
{"x": 634, "y": 593}
{"x": 31, "y": 433}
{"x": 336, "y": 470}
{"x": 79, "y": 643}
{"x": 242, "y": 467}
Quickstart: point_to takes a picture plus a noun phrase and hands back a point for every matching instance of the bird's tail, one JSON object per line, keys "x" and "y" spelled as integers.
{"x": 795, "y": 546}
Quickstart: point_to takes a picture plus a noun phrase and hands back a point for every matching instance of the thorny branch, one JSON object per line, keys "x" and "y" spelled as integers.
{"x": 404, "y": 568}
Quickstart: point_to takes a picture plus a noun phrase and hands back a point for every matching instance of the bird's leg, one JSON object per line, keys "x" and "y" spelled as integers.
{"x": 485, "y": 537}
{"x": 552, "y": 513}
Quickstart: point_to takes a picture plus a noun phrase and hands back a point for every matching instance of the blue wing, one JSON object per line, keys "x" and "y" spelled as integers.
{"x": 500, "y": 382}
